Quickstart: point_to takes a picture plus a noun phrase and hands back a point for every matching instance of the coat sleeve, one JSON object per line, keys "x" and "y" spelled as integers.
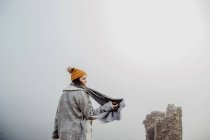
{"x": 87, "y": 109}
{"x": 55, "y": 134}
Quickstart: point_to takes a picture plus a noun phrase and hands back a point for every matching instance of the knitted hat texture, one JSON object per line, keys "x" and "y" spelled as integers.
{"x": 75, "y": 73}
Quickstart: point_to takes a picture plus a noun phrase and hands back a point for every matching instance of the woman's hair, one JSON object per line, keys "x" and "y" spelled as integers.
{"x": 77, "y": 82}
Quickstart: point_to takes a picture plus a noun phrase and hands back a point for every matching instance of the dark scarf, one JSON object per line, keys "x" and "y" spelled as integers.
{"x": 102, "y": 99}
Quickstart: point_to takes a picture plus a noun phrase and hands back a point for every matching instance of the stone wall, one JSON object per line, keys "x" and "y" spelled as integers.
{"x": 164, "y": 125}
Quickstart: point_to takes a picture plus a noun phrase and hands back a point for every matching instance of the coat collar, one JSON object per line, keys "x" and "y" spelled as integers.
{"x": 72, "y": 88}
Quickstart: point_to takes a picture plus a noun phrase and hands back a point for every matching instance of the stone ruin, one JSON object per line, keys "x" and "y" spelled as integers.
{"x": 164, "y": 125}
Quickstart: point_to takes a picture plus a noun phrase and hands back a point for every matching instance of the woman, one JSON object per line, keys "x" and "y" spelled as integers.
{"x": 75, "y": 111}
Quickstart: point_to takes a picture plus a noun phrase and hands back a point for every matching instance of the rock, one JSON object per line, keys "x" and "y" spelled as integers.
{"x": 164, "y": 126}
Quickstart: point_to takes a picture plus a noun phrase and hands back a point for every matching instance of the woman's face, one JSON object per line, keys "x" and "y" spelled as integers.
{"x": 83, "y": 80}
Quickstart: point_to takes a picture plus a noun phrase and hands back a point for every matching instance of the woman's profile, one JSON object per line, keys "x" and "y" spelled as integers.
{"x": 75, "y": 112}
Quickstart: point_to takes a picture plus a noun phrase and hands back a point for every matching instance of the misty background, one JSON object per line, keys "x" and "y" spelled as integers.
{"x": 151, "y": 53}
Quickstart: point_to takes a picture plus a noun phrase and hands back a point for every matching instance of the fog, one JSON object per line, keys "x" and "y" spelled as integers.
{"x": 151, "y": 53}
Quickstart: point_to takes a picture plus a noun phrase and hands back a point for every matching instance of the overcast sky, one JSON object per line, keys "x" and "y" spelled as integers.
{"x": 151, "y": 53}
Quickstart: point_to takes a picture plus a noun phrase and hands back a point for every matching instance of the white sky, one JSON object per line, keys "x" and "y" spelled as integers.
{"x": 151, "y": 53}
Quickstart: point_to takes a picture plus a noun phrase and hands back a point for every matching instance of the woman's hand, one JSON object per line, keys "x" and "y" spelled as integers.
{"x": 115, "y": 105}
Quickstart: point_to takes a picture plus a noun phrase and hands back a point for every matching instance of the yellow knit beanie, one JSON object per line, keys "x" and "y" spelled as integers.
{"x": 75, "y": 73}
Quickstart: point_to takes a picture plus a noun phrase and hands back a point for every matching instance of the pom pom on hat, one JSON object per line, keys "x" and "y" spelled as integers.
{"x": 70, "y": 69}
{"x": 75, "y": 73}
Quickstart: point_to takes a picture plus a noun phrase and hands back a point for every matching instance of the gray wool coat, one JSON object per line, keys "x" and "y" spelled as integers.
{"x": 73, "y": 112}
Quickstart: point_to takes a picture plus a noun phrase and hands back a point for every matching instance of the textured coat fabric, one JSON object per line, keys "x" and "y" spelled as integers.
{"x": 74, "y": 109}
